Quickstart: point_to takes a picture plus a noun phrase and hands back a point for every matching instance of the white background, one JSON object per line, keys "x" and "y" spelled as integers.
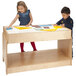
{"x": 43, "y": 12}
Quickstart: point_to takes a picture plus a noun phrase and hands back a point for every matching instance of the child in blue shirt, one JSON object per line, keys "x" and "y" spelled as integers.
{"x": 25, "y": 18}
{"x": 66, "y": 21}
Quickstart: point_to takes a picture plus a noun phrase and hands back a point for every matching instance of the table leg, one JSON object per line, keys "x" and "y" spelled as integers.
{"x": 3, "y": 45}
{"x": 5, "y": 51}
{"x": 65, "y": 46}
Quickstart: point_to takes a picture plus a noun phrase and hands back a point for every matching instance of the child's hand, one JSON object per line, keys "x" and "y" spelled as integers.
{"x": 8, "y": 27}
{"x": 62, "y": 25}
{"x": 27, "y": 25}
{"x": 55, "y": 25}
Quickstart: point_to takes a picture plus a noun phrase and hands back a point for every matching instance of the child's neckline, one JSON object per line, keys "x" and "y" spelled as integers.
{"x": 24, "y": 12}
{"x": 67, "y": 18}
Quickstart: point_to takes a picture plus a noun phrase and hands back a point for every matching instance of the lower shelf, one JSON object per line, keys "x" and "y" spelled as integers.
{"x": 19, "y": 62}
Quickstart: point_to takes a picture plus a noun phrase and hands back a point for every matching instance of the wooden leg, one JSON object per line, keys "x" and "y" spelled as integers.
{"x": 5, "y": 51}
{"x": 3, "y": 45}
{"x": 65, "y": 46}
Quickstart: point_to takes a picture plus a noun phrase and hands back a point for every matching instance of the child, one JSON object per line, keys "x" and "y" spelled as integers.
{"x": 66, "y": 21}
{"x": 25, "y": 18}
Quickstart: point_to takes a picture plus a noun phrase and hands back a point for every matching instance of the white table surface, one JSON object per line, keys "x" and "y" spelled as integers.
{"x": 15, "y": 30}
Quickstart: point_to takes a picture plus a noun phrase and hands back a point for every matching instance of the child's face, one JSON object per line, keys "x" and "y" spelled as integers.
{"x": 21, "y": 9}
{"x": 65, "y": 16}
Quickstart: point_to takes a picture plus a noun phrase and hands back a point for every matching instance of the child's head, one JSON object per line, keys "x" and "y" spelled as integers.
{"x": 21, "y": 7}
{"x": 65, "y": 12}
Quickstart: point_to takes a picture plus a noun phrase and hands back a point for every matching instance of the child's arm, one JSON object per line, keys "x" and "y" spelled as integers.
{"x": 58, "y": 23}
{"x": 14, "y": 20}
{"x": 31, "y": 19}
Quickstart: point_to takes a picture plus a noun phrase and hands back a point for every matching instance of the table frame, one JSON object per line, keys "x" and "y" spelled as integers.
{"x": 63, "y": 53}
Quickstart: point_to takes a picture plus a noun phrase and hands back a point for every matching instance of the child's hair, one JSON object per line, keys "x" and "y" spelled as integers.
{"x": 65, "y": 10}
{"x": 21, "y": 3}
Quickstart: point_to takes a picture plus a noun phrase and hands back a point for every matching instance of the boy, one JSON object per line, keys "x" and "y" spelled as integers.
{"x": 66, "y": 21}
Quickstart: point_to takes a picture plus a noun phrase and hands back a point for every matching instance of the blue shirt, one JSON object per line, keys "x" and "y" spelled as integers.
{"x": 24, "y": 18}
{"x": 67, "y": 22}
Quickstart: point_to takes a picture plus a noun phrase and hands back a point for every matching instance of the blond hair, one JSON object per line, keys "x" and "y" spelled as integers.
{"x": 21, "y": 3}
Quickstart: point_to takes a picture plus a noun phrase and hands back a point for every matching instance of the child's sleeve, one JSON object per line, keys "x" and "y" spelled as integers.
{"x": 59, "y": 22}
{"x": 28, "y": 11}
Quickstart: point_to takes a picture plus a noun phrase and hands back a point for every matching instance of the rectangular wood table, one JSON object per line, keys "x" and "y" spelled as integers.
{"x": 18, "y": 62}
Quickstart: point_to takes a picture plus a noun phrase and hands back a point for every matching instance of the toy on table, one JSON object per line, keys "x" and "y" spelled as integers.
{"x": 22, "y": 28}
{"x": 45, "y": 25}
{"x": 48, "y": 30}
{"x": 57, "y": 27}
{"x": 9, "y": 28}
{"x": 41, "y": 27}
{"x": 53, "y": 29}
{"x": 36, "y": 26}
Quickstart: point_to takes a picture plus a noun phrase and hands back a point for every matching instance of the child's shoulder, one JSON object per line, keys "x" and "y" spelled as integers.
{"x": 71, "y": 19}
{"x": 28, "y": 10}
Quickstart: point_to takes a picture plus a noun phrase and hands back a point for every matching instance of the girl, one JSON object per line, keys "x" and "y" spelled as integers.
{"x": 25, "y": 18}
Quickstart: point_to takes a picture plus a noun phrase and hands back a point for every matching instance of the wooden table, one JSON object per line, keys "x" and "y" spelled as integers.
{"x": 18, "y": 62}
